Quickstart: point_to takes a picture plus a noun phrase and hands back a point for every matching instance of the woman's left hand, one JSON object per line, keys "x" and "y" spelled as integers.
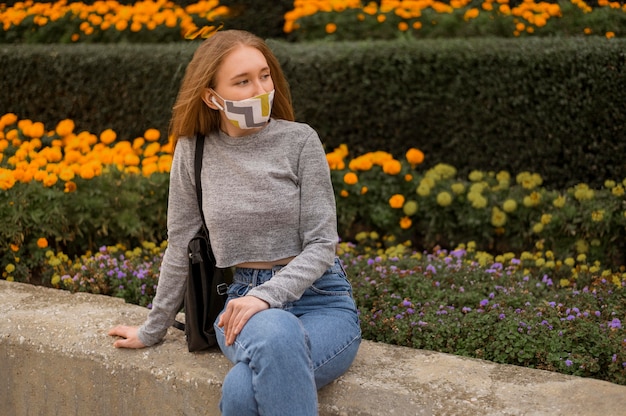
{"x": 237, "y": 313}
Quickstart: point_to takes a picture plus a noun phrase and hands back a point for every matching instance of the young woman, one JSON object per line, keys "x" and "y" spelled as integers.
{"x": 290, "y": 325}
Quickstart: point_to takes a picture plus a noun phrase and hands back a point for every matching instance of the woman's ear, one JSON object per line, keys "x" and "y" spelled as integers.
{"x": 209, "y": 99}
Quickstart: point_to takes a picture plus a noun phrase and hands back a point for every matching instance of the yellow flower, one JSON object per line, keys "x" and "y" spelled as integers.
{"x": 510, "y": 205}
{"x": 559, "y": 201}
{"x": 350, "y": 178}
{"x": 597, "y": 216}
{"x": 532, "y": 200}
{"x": 410, "y": 207}
{"x": 618, "y": 190}
{"x": 546, "y": 219}
{"x": 56, "y": 279}
{"x": 537, "y": 228}
{"x": 498, "y": 217}
{"x": 423, "y": 189}
{"x": 478, "y": 201}
{"x": 476, "y": 176}
{"x": 458, "y": 188}
{"x": 10, "y": 268}
{"x": 582, "y": 192}
{"x": 405, "y": 222}
{"x": 396, "y": 201}
{"x": 444, "y": 198}
{"x": 581, "y": 246}
{"x": 569, "y": 262}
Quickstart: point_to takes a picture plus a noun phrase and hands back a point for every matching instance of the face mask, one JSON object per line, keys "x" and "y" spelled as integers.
{"x": 249, "y": 113}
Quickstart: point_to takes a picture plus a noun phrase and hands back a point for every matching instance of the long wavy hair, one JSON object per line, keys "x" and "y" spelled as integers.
{"x": 190, "y": 115}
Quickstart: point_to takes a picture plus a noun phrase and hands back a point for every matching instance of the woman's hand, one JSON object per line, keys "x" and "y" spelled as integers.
{"x": 129, "y": 335}
{"x": 237, "y": 313}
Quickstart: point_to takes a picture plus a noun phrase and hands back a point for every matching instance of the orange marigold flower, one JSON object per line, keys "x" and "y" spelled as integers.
{"x": 152, "y": 135}
{"x": 331, "y": 28}
{"x": 350, "y": 178}
{"x": 396, "y": 201}
{"x": 65, "y": 127}
{"x": 69, "y": 187}
{"x": 15, "y": 247}
{"x": 610, "y": 35}
{"x": 392, "y": 167}
{"x": 108, "y": 136}
{"x": 364, "y": 190}
{"x": 414, "y": 156}
{"x": 42, "y": 243}
{"x": 344, "y": 193}
{"x": 405, "y": 222}
{"x": 403, "y": 26}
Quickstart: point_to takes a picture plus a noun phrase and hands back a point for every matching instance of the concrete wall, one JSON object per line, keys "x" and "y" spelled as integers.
{"x": 56, "y": 359}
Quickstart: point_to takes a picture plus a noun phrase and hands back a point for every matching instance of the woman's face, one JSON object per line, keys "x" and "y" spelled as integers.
{"x": 244, "y": 73}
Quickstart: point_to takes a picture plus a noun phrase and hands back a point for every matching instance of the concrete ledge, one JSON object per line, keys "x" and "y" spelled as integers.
{"x": 56, "y": 359}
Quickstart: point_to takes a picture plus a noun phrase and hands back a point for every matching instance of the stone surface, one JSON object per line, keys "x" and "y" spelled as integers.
{"x": 56, "y": 359}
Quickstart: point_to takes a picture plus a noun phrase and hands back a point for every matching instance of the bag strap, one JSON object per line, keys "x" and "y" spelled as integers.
{"x": 197, "y": 165}
{"x": 197, "y": 171}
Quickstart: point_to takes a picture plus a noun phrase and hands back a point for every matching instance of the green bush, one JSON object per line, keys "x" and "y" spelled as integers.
{"x": 476, "y": 103}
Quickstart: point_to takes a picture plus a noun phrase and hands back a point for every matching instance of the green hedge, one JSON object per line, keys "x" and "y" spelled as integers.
{"x": 550, "y": 105}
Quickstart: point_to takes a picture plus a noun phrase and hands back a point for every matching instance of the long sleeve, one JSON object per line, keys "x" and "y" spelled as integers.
{"x": 183, "y": 220}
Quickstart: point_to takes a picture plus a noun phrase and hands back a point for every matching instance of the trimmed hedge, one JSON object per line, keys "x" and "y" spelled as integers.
{"x": 549, "y": 105}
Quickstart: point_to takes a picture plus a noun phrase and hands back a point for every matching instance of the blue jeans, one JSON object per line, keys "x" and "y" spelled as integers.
{"x": 282, "y": 356}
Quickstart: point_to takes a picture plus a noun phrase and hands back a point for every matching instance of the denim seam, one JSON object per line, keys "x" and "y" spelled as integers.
{"x": 329, "y": 359}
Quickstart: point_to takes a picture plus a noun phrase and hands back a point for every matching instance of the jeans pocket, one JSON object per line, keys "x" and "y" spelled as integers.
{"x": 332, "y": 284}
{"x": 237, "y": 290}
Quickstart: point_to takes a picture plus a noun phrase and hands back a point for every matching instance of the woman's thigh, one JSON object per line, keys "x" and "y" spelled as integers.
{"x": 330, "y": 318}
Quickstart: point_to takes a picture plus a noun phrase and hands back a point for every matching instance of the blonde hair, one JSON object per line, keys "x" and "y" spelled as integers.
{"x": 190, "y": 115}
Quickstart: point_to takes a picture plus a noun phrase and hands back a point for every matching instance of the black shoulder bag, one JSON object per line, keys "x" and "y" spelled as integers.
{"x": 205, "y": 294}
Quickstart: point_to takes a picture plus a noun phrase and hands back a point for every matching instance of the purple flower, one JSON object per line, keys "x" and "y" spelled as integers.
{"x": 430, "y": 268}
{"x": 484, "y": 302}
{"x": 615, "y": 323}
{"x": 568, "y": 363}
{"x": 406, "y": 303}
{"x": 501, "y": 316}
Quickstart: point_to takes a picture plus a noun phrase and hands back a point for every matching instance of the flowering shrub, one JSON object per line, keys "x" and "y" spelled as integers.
{"x": 71, "y": 192}
{"x": 114, "y": 271}
{"x": 388, "y": 19}
{"x": 504, "y": 309}
{"x": 107, "y": 21}
{"x": 164, "y": 21}
{"x": 507, "y": 309}
{"x": 498, "y": 211}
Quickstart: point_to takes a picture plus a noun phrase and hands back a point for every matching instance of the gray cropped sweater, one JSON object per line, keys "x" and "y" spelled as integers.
{"x": 266, "y": 196}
